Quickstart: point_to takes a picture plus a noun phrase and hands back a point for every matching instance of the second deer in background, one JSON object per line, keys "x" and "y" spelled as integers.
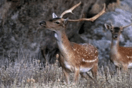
{"x": 120, "y": 56}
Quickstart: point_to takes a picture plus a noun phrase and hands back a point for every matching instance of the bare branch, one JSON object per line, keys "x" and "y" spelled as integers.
{"x": 70, "y": 10}
{"x": 91, "y": 19}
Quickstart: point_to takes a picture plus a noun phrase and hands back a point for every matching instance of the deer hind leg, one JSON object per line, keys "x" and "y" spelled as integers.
{"x": 87, "y": 76}
{"x": 66, "y": 74}
{"x": 125, "y": 68}
{"x": 91, "y": 78}
{"x": 84, "y": 75}
{"x": 94, "y": 71}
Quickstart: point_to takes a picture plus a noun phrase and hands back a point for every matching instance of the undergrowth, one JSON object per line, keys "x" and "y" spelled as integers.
{"x": 27, "y": 72}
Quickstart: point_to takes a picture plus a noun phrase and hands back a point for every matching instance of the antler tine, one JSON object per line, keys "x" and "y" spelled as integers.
{"x": 93, "y": 18}
{"x": 126, "y": 26}
{"x": 70, "y": 10}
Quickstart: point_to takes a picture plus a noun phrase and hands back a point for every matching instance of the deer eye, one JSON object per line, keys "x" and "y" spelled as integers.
{"x": 111, "y": 31}
{"x": 57, "y": 22}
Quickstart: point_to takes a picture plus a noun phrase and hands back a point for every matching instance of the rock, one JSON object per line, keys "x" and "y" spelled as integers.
{"x": 101, "y": 37}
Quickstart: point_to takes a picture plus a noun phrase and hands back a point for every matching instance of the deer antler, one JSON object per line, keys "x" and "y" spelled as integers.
{"x": 70, "y": 10}
{"x": 90, "y": 19}
{"x": 126, "y": 26}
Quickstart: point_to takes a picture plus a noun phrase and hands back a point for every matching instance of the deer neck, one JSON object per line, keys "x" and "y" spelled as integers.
{"x": 63, "y": 43}
{"x": 115, "y": 46}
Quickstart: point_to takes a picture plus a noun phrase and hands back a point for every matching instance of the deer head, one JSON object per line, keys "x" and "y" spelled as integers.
{"x": 58, "y": 23}
{"x": 116, "y": 31}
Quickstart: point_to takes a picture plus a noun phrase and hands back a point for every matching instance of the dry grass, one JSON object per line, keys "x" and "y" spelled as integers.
{"x": 27, "y": 72}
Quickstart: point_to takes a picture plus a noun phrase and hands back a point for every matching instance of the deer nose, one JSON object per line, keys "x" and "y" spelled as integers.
{"x": 42, "y": 23}
{"x": 115, "y": 36}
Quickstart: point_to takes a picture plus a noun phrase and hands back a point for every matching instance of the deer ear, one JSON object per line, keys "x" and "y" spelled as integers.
{"x": 66, "y": 21}
{"x": 54, "y": 15}
{"x": 121, "y": 28}
{"x": 108, "y": 26}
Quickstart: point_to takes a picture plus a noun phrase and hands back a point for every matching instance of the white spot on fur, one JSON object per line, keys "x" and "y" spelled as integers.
{"x": 74, "y": 49}
{"x": 96, "y": 51}
{"x": 89, "y": 60}
{"x": 129, "y": 56}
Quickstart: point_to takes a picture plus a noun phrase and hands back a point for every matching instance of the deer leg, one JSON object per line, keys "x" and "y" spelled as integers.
{"x": 76, "y": 75}
{"x": 94, "y": 71}
{"x": 91, "y": 78}
{"x": 125, "y": 68}
{"x": 84, "y": 75}
{"x": 87, "y": 76}
{"x": 66, "y": 74}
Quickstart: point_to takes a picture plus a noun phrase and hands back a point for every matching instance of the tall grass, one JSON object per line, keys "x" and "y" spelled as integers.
{"x": 27, "y": 72}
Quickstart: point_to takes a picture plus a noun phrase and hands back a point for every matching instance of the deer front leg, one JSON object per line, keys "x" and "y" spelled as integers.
{"x": 66, "y": 74}
{"x": 76, "y": 75}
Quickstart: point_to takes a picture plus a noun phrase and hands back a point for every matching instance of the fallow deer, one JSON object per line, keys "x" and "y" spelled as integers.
{"x": 76, "y": 58}
{"x": 120, "y": 56}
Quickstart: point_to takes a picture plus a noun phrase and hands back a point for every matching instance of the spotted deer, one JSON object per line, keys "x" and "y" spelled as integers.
{"x": 73, "y": 57}
{"x": 120, "y": 56}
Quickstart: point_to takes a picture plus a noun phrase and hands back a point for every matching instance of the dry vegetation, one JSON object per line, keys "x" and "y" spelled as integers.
{"x": 27, "y": 72}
